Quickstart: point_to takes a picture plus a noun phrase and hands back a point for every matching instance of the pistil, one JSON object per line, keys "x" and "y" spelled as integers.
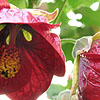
{"x": 14, "y": 29}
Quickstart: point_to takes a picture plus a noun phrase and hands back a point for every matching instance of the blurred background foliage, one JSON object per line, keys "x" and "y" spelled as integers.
{"x": 80, "y": 12}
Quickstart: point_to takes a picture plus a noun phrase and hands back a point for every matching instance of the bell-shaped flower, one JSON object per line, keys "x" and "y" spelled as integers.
{"x": 86, "y": 72}
{"x": 29, "y": 53}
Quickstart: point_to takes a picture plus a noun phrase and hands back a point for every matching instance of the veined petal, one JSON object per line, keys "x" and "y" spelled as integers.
{"x": 89, "y": 73}
{"x": 54, "y": 41}
{"x": 38, "y": 12}
{"x": 45, "y": 62}
{"x": 89, "y": 79}
{"x": 42, "y": 72}
{"x": 41, "y": 56}
{"x": 10, "y": 85}
{"x": 46, "y": 39}
{"x": 19, "y": 17}
{"x": 35, "y": 86}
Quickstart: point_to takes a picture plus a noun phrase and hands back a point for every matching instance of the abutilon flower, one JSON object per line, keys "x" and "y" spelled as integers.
{"x": 29, "y": 54}
{"x": 87, "y": 68}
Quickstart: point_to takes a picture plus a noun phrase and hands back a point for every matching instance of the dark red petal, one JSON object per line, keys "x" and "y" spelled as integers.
{"x": 11, "y": 85}
{"x": 18, "y": 16}
{"x": 89, "y": 79}
{"x": 4, "y": 4}
{"x": 59, "y": 55}
{"x": 42, "y": 60}
{"x": 89, "y": 73}
{"x": 35, "y": 87}
{"x": 93, "y": 57}
{"x": 21, "y": 78}
{"x": 54, "y": 41}
{"x": 43, "y": 56}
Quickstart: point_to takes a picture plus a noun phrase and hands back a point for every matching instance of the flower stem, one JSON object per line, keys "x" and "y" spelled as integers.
{"x": 68, "y": 40}
{"x": 56, "y": 20}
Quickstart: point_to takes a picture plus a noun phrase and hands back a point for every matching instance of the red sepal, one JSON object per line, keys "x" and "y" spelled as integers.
{"x": 4, "y": 4}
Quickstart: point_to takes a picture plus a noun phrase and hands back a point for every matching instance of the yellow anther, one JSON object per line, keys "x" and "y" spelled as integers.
{"x": 9, "y": 62}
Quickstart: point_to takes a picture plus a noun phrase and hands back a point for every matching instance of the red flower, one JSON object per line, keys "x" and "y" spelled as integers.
{"x": 87, "y": 68}
{"x": 89, "y": 73}
{"x": 27, "y": 65}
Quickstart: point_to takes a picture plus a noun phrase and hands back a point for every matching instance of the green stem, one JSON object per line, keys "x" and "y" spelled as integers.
{"x": 68, "y": 40}
{"x": 56, "y": 20}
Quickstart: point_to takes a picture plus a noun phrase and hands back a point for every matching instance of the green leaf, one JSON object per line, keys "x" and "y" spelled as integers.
{"x": 76, "y": 32}
{"x": 90, "y": 17}
{"x": 67, "y": 48}
{"x": 69, "y": 85}
{"x": 86, "y": 31}
{"x": 18, "y": 3}
{"x": 52, "y": 6}
{"x": 54, "y": 90}
{"x": 78, "y": 3}
{"x": 33, "y": 3}
{"x": 68, "y": 31}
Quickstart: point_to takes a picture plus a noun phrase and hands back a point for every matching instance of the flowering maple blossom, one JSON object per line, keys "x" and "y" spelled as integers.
{"x": 87, "y": 68}
{"x": 29, "y": 54}
{"x": 89, "y": 73}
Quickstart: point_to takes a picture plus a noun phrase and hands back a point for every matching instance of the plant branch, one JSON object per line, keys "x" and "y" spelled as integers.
{"x": 63, "y": 6}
